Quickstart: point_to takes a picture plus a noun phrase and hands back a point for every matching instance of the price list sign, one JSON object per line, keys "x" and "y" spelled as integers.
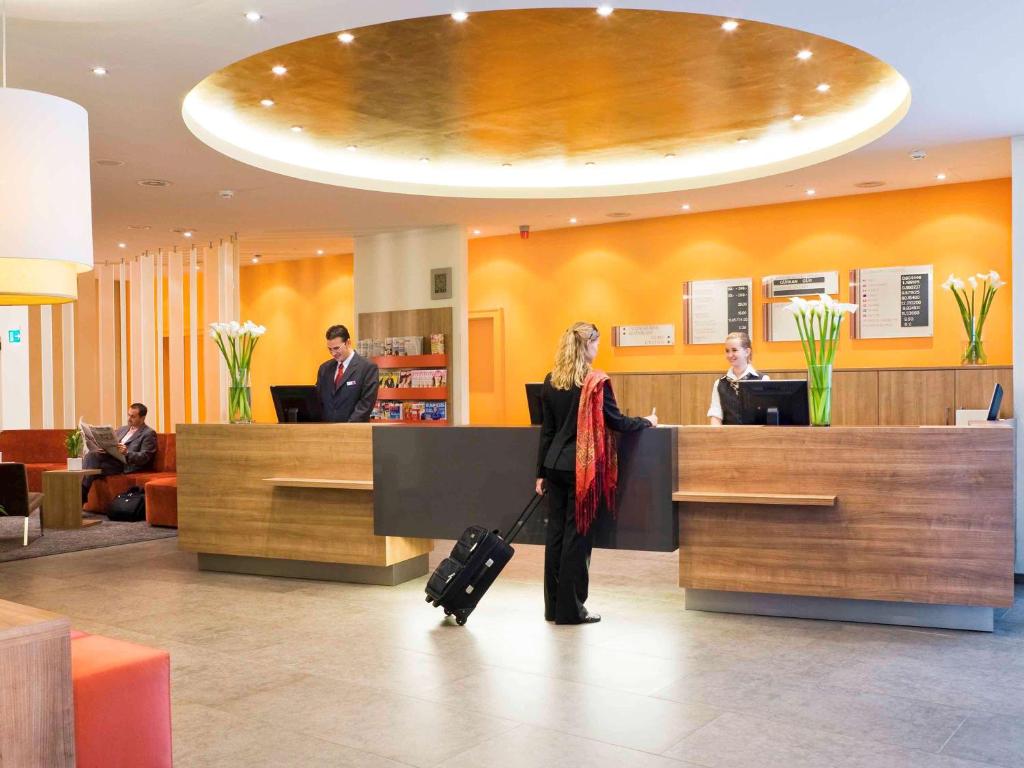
{"x": 712, "y": 309}
{"x": 895, "y": 302}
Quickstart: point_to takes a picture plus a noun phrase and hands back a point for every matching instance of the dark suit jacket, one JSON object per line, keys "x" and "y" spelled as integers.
{"x": 558, "y": 430}
{"x": 141, "y": 448}
{"x": 355, "y": 397}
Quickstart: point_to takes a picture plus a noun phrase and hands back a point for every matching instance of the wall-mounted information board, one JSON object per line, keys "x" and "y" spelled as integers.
{"x": 780, "y": 323}
{"x": 894, "y": 302}
{"x": 806, "y": 284}
{"x": 712, "y": 309}
{"x": 643, "y": 335}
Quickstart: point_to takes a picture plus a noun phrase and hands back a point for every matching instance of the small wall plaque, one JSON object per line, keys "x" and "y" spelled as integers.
{"x": 441, "y": 283}
{"x": 643, "y": 335}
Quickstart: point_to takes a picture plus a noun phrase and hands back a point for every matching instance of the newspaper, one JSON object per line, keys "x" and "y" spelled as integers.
{"x": 101, "y": 439}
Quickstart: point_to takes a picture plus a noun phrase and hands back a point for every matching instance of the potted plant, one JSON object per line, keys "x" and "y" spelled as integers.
{"x": 236, "y": 342}
{"x": 818, "y": 322}
{"x": 73, "y": 442}
{"x": 974, "y": 310}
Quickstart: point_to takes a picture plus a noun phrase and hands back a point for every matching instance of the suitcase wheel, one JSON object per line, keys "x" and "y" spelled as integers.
{"x": 447, "y": 612}
{"x": 430, "y": 599}
{"x": 461, "y": 620}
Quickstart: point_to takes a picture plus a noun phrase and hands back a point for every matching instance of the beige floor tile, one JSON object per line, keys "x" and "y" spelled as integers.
{"x": 995, "y": 739}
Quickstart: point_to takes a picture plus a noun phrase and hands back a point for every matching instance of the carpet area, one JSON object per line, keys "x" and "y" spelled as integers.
{"x": 57, "y": 542}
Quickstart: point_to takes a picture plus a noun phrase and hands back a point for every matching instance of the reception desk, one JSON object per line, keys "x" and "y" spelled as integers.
{"x": 909, "y": 525}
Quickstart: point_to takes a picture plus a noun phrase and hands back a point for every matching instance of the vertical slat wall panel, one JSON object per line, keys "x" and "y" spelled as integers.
{"x": 122, "y": 352}
{"x": 214, "y": 370}
{"x": 136, "y": 384}
{"x": 35, "y": 366}
{"x": 106, "y": 347}
{"x": 175, "y": 340}
{"x": 193, "y": 334}
{"x": 147, "y": 335}
{"x": 46, "y": 358}
{"x": 56, "y": 387}
{"x": 159, "y": 341}
{"x": 67, "y": 317}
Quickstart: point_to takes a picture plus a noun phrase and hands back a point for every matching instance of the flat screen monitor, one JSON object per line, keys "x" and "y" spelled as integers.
{"x": 774, "y": 402}
{"x": 296, "y": 403}
{"x": 997, "y": 401}
{"x": 534, "y": 403}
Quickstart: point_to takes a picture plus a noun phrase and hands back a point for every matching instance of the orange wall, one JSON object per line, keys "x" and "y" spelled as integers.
{"x": 632, "y": 273}
{"x": 297, "y": 301}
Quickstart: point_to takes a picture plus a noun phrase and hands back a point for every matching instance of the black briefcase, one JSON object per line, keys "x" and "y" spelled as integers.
{"x": 128, "y": 507}
{"x": 477, "y": 558}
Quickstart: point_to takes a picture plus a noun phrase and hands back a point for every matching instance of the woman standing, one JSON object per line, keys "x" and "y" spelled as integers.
{"x": 725, "y": 395}
{"x": 577, "y": 468}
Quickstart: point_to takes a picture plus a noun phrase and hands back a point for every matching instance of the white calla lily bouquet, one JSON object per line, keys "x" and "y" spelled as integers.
{"x": 236, "y": 342}
{"x": 818, "y": 322}
{"x": 974, "y": 308}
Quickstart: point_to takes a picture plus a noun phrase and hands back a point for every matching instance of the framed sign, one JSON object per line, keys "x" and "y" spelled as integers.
{"x": 441, "y": 283}
{"x": 712, "y": 309}
{"x": 893, "y": 302}
{"x": 643, "y": 335}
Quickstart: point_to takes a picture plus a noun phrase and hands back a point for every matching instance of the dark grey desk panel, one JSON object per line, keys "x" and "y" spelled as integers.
{"x": 433, "y": 482}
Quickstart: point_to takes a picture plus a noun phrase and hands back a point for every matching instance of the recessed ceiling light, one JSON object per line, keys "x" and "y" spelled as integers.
{"x": 812, "y": 192}
{"x": 797, "y": 118}
{"x": 187, "y": 233}
{"x": 476, "y": 231}
{"x": 110, "y": 163}
{"x": 254, "y": 15}
{"x": 296, "y": 129}
{"x": 572, "y": 220}
{"x": 278, "y": 69}
{"x": 460, "y": 16}
{"x": 256, "y": 259}
{"x": 267, "y": 102}
{"x": 940, "y": 176}
{"x": 424, "y": 160}
{"x": 153, "y": 183}
{"x": 804, "y": 55}
{"x": 99, "y": 71}
{"x": 122, "y": 245}
{"x": 346, "y": 37}
{"x": 823, "y": 87}
{"x": 684, "y": 207}
{"x": 605, "y": 10}
{"x": 730, "y": 25}
{"x": 319, "y": 251}
{"x": 352, "y": 147}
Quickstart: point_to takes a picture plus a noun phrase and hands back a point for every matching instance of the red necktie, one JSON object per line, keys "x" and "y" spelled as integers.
{"x": 338, "y": 375}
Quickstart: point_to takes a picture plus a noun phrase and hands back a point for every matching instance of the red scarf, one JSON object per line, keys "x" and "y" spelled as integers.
{"x": 597, "y": 466}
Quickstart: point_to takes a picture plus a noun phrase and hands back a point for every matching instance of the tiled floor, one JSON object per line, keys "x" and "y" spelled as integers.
{"x": 275, "y": 672}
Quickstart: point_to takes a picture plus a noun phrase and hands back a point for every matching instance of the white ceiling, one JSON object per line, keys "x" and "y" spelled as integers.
{"x": 964, "y": 63}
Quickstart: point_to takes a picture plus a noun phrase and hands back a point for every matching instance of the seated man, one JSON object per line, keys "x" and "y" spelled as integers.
{"x": 136, "y": 443}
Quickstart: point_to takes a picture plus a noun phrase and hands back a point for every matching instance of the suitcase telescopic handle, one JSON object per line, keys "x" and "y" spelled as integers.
{"x": 524, "y": 516}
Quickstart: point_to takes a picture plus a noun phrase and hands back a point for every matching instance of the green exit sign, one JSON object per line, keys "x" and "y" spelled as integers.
{"x": 14, "y": 336}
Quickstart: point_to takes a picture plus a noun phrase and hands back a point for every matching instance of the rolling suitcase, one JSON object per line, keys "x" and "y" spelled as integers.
{"x": 477, "y": 558}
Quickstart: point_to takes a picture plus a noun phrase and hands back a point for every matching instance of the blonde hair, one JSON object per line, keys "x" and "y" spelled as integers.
{"x": 744, "y": 340}
{"x": 571, "y": 366}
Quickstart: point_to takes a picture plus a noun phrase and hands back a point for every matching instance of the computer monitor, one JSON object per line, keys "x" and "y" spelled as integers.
{"x": 534, "y": 403}
{"x": 783, "y": 401}
{"x": 296, "y": 403}
{"x": 997, "y": 401}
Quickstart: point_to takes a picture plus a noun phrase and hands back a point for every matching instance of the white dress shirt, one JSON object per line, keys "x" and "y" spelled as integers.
{"x": 716, "y": 401}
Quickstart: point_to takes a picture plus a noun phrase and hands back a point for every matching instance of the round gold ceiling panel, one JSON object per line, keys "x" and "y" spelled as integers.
{"x": 558, "y": 102}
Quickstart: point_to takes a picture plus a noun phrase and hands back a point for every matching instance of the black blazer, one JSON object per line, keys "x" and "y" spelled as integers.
{"x": 141, "y": 448}
{"x": 558, "y": 430}
{"x": 355, "y": 396}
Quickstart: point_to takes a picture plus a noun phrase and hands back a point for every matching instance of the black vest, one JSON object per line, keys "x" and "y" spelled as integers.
{"x": 729, "y": 396}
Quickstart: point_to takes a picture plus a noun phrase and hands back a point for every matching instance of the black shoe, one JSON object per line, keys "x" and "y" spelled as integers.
{"x": 591, "y": 618}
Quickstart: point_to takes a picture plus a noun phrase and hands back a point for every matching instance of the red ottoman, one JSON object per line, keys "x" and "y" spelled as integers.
{"x": 122, "y": 704}
{"x": 162, "y": 501}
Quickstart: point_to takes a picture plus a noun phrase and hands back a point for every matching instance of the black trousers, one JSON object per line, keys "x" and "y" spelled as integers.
{"x": 105, "y": 463}
{"x": 566, "y": 553}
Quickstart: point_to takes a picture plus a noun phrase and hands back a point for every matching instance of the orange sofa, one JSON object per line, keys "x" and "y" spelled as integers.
{"x": 122, "y": 694}
{"x": 106, "y": 487}
{"x": 38, "y": 449}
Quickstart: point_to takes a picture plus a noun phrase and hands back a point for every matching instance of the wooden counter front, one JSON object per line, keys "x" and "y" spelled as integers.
{"x": 226, "y": 506}
{"x": 922, "y": 514}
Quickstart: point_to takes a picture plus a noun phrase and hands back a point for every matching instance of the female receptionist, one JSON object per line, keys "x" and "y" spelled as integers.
{"x": 725, "y": 395}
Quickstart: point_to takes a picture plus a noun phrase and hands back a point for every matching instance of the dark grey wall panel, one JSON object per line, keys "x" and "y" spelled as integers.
{"x": 432, "y": 482}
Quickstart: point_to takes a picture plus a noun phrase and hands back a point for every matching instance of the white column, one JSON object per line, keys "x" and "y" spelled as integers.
{"x": 392, "y": 272}
{"x": 160, "y": 393}
{"x": 193, "y": 334}
{"x": 137, "y": 383}
{"x": 1017, "y": 223}
{"x": 15, "y": 406}
{"x": 122, "y": 287}
{"x": 68, "y": 417}
{"x": 46, "y": 372}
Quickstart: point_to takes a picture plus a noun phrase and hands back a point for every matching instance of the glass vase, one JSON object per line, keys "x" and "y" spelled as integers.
{"x": 974, "y": 348}
{"x": 240, "y": 403}
{"x": 819, "y": 392}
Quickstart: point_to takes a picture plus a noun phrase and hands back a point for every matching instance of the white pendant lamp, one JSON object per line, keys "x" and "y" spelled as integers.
{"x": 45, "y": 196}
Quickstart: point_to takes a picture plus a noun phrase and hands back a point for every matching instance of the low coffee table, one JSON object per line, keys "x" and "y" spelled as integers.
{"x": 62, "y": 498}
